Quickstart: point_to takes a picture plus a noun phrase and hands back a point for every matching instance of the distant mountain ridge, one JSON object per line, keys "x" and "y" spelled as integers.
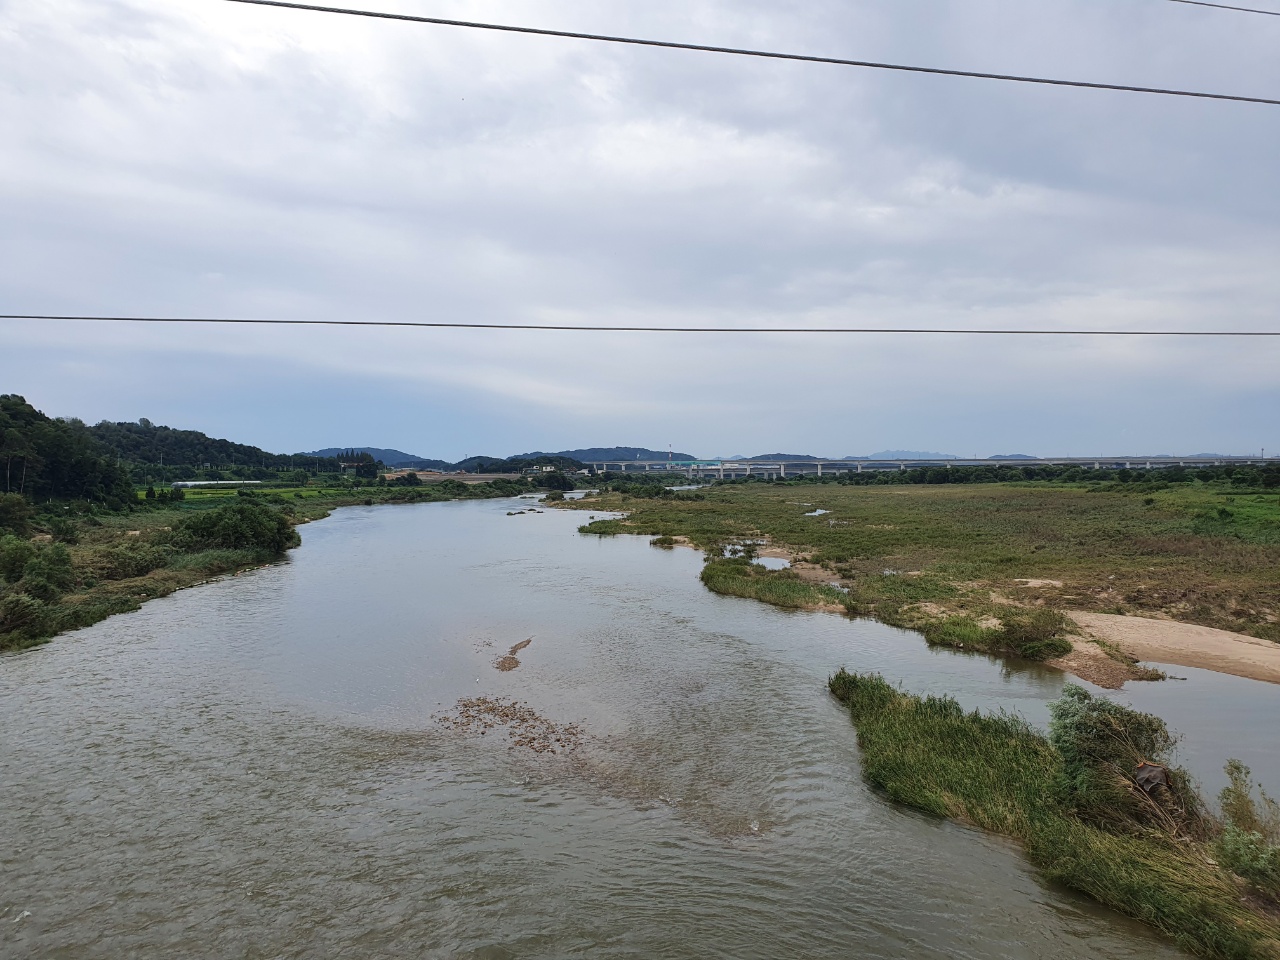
{"x": 390, "y": 457}
{"x": 598, "y": 454}
{"x": 905, "y": 455}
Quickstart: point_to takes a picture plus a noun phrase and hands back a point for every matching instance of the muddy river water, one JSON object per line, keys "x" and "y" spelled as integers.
{"x": 257, "y": 767}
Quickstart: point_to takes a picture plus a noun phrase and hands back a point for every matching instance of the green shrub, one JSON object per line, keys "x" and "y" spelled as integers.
{"x": 133, "y": 560}
{"x": 739, "y": 577}
{"x": 23, "y": 620}
{"x": 963, "y": 633}
{"x": 1241, "y": 810}
{"x": 15, "y": 513}
{"x": 1102, "y": 743}
{"x": 1036, "y": 634}
{"x": 242, "y": 525}
{"x": 1249, "y": 854}
{"x": 213, "y": 562}
{"x": 64, "y": 530}
{"x": 1033, "y": 634}
{"x": 1248, "y": 843}
{"x": 14, "y": 554}
{"x": 48, "y": 574}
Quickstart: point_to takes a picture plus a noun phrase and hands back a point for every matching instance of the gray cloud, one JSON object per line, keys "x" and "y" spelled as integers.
{"x": 209, "y": 159}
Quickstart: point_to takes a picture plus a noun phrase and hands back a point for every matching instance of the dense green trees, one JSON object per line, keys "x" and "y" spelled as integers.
{"x": 553, "y": 481}
{"x": 243, "y": 525}
{"x": 144, "y": 442}
{"x": 1238, "y": 476}
{"x": 42, "y": 458}
{"x": 15, "y": 513}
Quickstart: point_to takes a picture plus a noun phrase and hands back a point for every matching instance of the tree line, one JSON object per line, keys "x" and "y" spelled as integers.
{"x": 1240, "y": 476}
{"x": 44, "y": 458}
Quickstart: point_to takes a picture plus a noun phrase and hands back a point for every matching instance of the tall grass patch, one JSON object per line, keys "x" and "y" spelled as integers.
{"x": 996, "y": 772}
{"x": 739, "y": 577}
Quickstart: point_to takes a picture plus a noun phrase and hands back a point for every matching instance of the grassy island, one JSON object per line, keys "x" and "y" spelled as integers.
{"x": 1074, "y": 802}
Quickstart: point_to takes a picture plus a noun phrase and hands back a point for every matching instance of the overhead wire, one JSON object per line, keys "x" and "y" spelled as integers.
{"x": 596, "y": 328}
{"x": 1226, "y": 6}
{"x": 704, "y": 48}
{"x": 743, "y": 52}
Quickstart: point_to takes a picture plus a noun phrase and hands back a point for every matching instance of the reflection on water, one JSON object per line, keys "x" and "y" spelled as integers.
{"x": 252, "y": 768}
{"x": 772, "y": 563}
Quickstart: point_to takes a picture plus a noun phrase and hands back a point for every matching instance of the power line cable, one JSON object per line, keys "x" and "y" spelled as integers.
{"x": 770, "y": 55}
{"x": 569, "y": 328}
{"x": 1224, "y": 6}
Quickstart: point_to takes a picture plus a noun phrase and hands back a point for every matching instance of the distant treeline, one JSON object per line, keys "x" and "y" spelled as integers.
{"x": 516, "y": 464}
{"x": 1242, "y": 476}
{"x": 655, "y": 485}
{"x": 43, "y": 458}
{"x": 183, "y": 452}
{"x": 164, "y": 454}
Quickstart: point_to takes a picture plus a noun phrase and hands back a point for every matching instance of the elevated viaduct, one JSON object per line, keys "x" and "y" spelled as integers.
{"x": 778, "y": 469}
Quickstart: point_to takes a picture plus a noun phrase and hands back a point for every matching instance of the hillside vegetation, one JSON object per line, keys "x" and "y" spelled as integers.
{"x": 85, "y": 533}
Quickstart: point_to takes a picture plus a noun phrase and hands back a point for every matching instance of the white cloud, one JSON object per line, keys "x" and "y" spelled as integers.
{"x": 212, "y": 159}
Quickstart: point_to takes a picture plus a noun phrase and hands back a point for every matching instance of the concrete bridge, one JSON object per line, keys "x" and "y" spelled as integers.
{"x": 780, "y": 469}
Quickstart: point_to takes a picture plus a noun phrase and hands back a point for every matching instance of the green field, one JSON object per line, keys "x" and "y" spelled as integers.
{"x": 915, "y": 555}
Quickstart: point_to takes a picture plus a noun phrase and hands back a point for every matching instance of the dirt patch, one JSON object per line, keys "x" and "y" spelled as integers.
{"x": 929, "y": 609}
{"x": 812, "y": 573}
{"x": 1186, "y": 644}
{"x": 509, "y": 661}
{"x": 1090, "y": 662}
{"x": 1025, "y": 582}
{"x": 525, "y": 726}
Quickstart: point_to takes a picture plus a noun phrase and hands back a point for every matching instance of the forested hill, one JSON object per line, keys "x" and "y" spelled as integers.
{"x": 392, "y": 458}
{"x": 598, "y": 454}
{"x": 43, "y": 458}
{"x": 144, "y": 442}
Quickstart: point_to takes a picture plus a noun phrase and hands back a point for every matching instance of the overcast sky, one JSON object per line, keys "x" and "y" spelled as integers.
{"x": 205, "y": 158}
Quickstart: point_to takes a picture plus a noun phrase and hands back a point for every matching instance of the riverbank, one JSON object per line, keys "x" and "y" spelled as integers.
{"x": 1072, "y": 801}
{"x": 960, "y": 564}
{"x": 106, "y": 563}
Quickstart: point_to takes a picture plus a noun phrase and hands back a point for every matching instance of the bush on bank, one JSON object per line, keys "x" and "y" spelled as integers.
{"x": 1034, "y": 634}
{"x": 43, "y": 591}
{"x": 244, "y": 525}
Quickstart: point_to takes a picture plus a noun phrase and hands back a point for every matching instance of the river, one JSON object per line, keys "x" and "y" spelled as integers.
{"x": 256, "y": 768}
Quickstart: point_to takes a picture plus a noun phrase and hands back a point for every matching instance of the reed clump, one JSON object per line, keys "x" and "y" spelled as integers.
{"x": 1036, "y": 634}
{"x": 740, "y": 577}
{"x": 1072, "y": 800}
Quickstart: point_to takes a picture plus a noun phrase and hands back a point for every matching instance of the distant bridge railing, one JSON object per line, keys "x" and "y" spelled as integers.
{"x": 724, "y": 469}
